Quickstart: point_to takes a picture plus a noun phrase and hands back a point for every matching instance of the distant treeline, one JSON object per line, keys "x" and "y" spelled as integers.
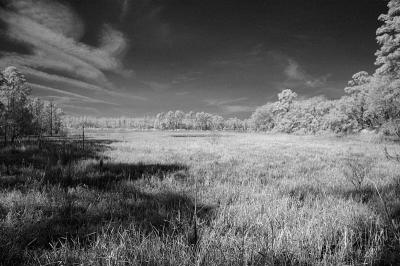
{"x": 21, "y": 114}
{"x": 108, "y": 122}
{"x": 198, "y": 121}
{"x": 171, "y": 120}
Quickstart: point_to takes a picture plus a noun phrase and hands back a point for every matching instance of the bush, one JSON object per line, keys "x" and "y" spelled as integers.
{"x": 391, "y": 128}
{"x": 355, "y": 170}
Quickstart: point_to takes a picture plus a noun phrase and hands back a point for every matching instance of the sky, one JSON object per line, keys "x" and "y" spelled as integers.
{"x": 141, "y": 57}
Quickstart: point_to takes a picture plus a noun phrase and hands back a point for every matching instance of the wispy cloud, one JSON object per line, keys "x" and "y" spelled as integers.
{"x": 75, "y": 109}
{"x": 177, "y": 81}
{"x": 150, "y": 28}
{"x": 293, "y": 71}
{"x": 296, "y": 75}
{"x": 220, "y": 102}
{"x": 157, "y": 86}
{"x": 52, "y": 32}
{"x": 182, "y": 93}
{"x": 319, "y": 81}
{"x": 187, "y": 77}
{"x": 42, "y": 38}
{"x": 232, "y": 109}
{"x": 62, "y": 80}
{"x": 125, "y": 5}
{"x": 56, "y": 16}
{"x": 230, "y": 106}
{"x": 70, "y": 94}
{"x": 113, "y": 41}
{"x": 252, "y": 56}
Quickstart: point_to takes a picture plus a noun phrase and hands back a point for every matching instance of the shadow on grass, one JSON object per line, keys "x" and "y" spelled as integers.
{"x": 162, "y": 213}
{"x": 46, "y": 152}
{"x": 32, "y": 159}
{"x": 101, "y": 177}
{"x": 87, "y": 199}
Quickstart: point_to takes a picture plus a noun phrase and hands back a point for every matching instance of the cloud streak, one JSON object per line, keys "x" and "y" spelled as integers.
{"x": 297, "y": 75}
{"x": 215, "y": 102}
{"x": 232, "y": 109}
{"x": 124, "y": 8}
{"x": 293, "y": 71}
{"x": 57, "y": 17}
{"x": 70, "y": 94}
{"x": 230, "y": 106}
{"x": 52, "y": 31}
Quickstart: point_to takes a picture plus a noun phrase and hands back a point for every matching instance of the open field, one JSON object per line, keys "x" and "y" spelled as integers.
{"x": 259, "y": 199}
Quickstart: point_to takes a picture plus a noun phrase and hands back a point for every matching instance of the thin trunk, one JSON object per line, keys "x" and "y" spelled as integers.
{"x": 6, "y": 121}
{"x": 5, "y": 133}
{"x": 362, "y": 116}
{"x": 51, "y": 119}
{"x": 13, "y": 134}
{"x": 83, "y": 138}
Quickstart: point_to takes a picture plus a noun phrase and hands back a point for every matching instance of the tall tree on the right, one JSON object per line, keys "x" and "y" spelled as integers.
{"x": 384, "y": 98}
{"x": 388, "y": 37}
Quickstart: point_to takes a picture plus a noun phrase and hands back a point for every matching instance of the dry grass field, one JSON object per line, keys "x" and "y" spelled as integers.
{"x": 179, "y": 198}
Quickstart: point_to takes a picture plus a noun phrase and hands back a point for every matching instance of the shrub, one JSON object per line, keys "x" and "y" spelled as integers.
{"x": 391, "y": 128}
{"x": 355, "y": 170}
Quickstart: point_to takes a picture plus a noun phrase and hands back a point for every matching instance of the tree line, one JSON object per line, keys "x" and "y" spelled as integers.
{"x": 171, "y": 120}
{"x": 20, "y": 113}
{"x": 197, "y": 121}
{"x": 77, "y": 122}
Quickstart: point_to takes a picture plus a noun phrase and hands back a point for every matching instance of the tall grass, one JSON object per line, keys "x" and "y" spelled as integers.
{"x": 251, "y": 199}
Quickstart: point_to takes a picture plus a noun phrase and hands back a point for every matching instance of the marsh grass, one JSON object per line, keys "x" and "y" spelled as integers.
{"x": 251, "y": 199}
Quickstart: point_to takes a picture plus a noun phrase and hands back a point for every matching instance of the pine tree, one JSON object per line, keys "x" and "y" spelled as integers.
{"x": 384, "y": 98}
{"x": 388, "y": 37}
